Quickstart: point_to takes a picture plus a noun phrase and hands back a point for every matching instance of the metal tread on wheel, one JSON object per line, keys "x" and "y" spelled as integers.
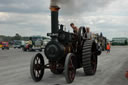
{"x": 89, "y": 58}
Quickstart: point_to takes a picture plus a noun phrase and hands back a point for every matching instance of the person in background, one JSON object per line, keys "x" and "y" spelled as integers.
{"x": 75, "y": 29}
{"x": 108, "y": 47}
{"x": 89, "y": 34}
{"x": 30, "y": 41}
{"x": 126, "y": 74}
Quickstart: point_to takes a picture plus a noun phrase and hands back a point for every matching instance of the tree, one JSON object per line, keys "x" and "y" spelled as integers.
{"x": 17, "y": 37}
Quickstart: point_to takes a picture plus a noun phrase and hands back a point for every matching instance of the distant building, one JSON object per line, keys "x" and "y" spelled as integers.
{"x": 120, "y": 41}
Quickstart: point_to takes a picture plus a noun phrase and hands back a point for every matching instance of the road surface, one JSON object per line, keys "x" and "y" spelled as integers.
{"x": 15, "y": 64}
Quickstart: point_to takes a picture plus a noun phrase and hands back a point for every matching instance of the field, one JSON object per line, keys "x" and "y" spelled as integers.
{"x": 15, "y": 64}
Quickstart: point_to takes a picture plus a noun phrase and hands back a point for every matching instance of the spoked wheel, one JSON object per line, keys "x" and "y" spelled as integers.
{"x": 89, "y": 57}
{"x": 37, "y": 67}
{"x": 69, "y": 68}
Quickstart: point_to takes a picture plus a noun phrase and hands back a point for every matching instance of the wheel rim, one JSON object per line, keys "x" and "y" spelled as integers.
{"x": 94, "y": 58}
{"x": 71, "y": 70}
{"x": 94, "y": 62}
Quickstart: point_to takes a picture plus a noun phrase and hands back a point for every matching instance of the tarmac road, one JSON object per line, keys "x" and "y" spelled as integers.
{"x": 15, "y": 64}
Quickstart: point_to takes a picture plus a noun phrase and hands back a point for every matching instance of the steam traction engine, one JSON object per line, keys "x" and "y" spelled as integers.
{"x": 65, "y": 52}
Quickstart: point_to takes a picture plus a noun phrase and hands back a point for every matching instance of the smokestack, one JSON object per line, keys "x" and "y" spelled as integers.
{"x": 54, "y": 17}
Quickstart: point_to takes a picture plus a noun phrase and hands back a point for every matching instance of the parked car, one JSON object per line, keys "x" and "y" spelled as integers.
{"x": 5, "y": 45}
{"x": 17, "y": 44}
{"x": 45, "y": 41}
{"x": 0, "y": 44}
{"x": 34, "y": 43}
{"x": 22, "y": 43}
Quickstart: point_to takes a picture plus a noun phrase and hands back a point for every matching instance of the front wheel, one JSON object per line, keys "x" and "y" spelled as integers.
{"x": 69, "y": 68}
{"x": 2, "y": 48}
{"x": 37, "y": 67}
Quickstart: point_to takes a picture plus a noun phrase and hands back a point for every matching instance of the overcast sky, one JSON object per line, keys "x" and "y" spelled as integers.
{"x": 32, "y": 17}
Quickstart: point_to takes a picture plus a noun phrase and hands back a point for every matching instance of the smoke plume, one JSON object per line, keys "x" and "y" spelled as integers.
{"x": 80, "y": 6}
{"x": 54, "y": 2}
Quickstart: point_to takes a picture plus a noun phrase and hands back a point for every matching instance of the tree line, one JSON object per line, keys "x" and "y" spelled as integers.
{"x": 16, "y": 37}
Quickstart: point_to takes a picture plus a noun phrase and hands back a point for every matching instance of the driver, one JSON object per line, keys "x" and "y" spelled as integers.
{"x": 75, "y": 29}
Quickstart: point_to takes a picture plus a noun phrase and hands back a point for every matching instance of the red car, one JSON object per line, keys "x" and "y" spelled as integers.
{"x": 5, "y": 45}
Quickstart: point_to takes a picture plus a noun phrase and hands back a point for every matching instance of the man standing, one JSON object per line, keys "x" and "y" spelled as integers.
{"x": 75, "y": 29}
{"x": 89, "y": 34}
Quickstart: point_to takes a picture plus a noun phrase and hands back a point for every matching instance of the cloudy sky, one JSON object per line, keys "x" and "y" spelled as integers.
{"x": 32, "y": 17}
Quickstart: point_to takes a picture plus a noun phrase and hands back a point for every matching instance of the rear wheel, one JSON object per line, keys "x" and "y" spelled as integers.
{"x": 24, "y": 49}
{"x": 2, "y": 48}
{"x": 40, "y": 50}
{"x": 69, "y": 68}
{"x": 89, "y": 57}
{"x": 37, "y": 67}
